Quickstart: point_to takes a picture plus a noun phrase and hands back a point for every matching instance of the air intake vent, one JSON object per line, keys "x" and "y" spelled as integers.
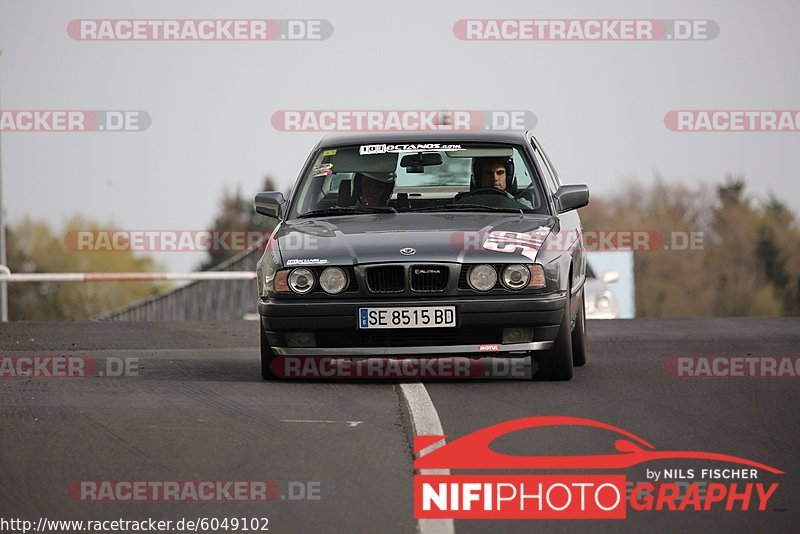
{"x": 429, "y": 278}
{"x": 386, "y": 279}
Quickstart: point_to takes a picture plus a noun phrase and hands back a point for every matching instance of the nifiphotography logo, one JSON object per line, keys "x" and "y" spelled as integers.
{"x": 721, "y": 482}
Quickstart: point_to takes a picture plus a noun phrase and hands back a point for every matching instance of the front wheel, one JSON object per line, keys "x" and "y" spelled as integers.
{"x": 579, "y": 335}
{"x": 556, "y": 362}
{"x": 267, "y": 356}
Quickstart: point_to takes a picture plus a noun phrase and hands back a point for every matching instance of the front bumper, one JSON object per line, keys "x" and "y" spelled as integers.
{"x": 479, "y": 325}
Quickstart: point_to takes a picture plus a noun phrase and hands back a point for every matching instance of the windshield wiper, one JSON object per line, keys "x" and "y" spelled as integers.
{"x": 467, "y": 207}
{"x": 338, "y": 210}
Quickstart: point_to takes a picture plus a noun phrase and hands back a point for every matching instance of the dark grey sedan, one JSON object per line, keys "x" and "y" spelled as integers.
{"x": 425, "y": 245}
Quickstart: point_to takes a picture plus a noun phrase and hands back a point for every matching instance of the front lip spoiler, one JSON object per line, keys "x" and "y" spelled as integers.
{"x": 384, "y": 351}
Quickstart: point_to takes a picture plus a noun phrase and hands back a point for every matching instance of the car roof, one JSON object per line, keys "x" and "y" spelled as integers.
{"x": 512, "y": 137}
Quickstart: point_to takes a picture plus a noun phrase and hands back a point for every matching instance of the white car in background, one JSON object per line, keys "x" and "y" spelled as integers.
{"x": 600, "y": 300}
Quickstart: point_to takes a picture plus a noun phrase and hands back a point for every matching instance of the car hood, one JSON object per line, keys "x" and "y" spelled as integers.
{"x": 434, "y": 237}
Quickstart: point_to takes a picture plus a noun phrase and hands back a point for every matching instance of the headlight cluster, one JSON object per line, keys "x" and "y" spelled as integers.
{"x": 514, "y": 277}
{"x": 302, "y": 281}
{"x": 482, "y": 277}
{"x": 333, "y": 280}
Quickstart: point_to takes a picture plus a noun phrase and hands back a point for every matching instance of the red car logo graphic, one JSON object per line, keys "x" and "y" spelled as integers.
{"x": 473, "y": 450}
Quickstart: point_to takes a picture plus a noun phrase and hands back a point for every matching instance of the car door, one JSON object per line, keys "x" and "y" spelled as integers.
{"x": 569, "y": 223}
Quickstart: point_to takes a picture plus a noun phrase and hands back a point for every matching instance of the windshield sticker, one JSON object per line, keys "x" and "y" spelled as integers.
{"x": 323, "y": 169}
{"x": 383, "y": 149}
{"x": 312, "y": 261}
{"x": 329, "y": 152}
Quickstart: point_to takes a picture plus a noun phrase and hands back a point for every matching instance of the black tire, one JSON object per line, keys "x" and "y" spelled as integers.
{"x": 556, "y": 362}
{"x": 579, "y": 335}
{"x": 267, "y": 356}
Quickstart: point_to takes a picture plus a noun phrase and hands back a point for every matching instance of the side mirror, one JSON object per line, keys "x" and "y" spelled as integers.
{"x": 610, "y": 277}
{"x": 571, "y": 197}
{"x": 270, "y": 203}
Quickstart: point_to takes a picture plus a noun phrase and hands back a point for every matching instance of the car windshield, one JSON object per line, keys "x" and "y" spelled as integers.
{"x": 378, "y": 178}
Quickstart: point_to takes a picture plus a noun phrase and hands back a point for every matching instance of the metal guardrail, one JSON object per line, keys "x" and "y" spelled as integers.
{"x": 221, "y": 298}
{"x": 121, "y": 277}
{"x": 227, "y": 292}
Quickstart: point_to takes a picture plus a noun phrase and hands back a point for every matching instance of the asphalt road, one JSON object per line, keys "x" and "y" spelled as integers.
{"x": 197, "y": 409}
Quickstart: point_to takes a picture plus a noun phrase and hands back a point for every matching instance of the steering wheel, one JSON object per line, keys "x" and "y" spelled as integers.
{"x": 488, "y": 190}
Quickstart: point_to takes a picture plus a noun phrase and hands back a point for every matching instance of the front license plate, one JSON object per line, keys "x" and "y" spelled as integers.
{"x": 423, "y": 317}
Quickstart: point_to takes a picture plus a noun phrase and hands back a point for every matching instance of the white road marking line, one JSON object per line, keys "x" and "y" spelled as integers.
{"x": 425, "y": 421}
{"x": 304, "y": 421}
{"x": 426, "y": 450}
{"x": 351, "y": 424}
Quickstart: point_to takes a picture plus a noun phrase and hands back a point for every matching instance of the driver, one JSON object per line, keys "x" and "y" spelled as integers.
{"x": 496, "y": 173}
{"x": 373, "y": 189}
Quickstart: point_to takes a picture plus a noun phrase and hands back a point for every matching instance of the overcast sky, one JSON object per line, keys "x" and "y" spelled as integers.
{"x": 600, "y": 105}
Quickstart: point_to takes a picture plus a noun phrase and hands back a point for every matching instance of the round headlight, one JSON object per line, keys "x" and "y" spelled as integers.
{"x": 333, "y": 280}
{"x": 482, "y": 277}
{"x": 516, "y": 276}
{"x": 301, "y": 280}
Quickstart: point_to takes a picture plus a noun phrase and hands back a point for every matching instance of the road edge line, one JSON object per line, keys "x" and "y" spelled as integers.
{"x": 425, "y": 421}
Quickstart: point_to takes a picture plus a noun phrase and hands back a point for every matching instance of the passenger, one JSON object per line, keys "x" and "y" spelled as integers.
{"x": 373, "y": 189}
